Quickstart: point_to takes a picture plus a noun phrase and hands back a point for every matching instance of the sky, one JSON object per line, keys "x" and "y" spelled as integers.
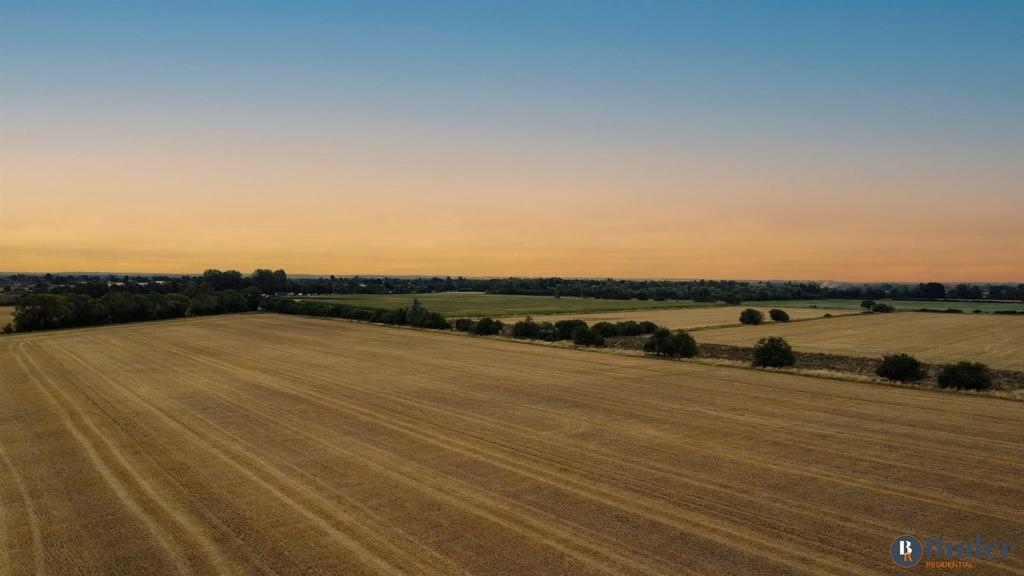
{"x": 839, "y": 140}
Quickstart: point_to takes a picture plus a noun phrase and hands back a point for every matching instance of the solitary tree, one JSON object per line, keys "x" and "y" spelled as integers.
{"x": 672, "y": 344}
{"x": 966, "y": 376}
{"x": 751, "y": 316}
{"x": 773, "y": 352}
{"x": 900, "y": 367}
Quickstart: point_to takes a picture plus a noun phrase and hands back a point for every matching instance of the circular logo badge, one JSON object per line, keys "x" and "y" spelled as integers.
{"x": 906, "y": 551}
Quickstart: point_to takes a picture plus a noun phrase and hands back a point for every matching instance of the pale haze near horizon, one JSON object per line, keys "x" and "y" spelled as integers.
{"x": 847, "y": 141}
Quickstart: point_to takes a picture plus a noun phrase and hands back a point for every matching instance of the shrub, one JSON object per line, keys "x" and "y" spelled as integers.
{"x": 584, "y": 336}
{"x": 431, "y": 320}
{"x": 900, "y": 367}
{"x": 464, "y": 324}
{"x": 966, "y": 376}
{"x": 671, "y": 344}
{"x": 827, "y": 316}
{"x": 778, "y": 315}
{"x": 648, "y": 327}
{"x": 564, "y": 328}
{"x": 774, "y": 352}
{"x": 954, "y": 311}
{"x": 867, "y": 304}
{"x": 881, "y": 307}
{"x": 418, "y": 315}
{"x": 628, "y": 328}
{"x": 751, "y": 316}
{"x": 546, "y": 331}
{"x": 526, "y": 329}
{"x": 488, "y": 326}
{"x": 605, "y": 329}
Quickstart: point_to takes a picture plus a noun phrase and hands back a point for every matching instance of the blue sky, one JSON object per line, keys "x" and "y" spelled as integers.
{"x": 909, "y": 101}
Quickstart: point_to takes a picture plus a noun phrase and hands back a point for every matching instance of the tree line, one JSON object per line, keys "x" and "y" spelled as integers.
{"x": 50, "y": 311}
{"x": 730, "y": 291}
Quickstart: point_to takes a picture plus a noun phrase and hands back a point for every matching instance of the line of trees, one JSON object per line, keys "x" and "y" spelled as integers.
{"x": 416, "y": 315}
{"x": 729, "y": 291}
{"x": 50, "y": 311}
{"x": 929, "y": 291}
{"x": 67, "y": 302}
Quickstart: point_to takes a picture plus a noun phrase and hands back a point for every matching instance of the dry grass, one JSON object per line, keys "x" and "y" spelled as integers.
{"x": 6, "y": 315}
{"x": 686, "y": 318}
{"x": 993, "y": 339}
{"x": 282, "y": 444}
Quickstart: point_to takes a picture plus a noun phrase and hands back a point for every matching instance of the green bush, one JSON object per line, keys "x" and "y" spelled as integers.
{"x": 882, "y": 308}
{"x": 778, "y": 315}
{"x": 628, "y": 328}
{"x": 900, "y": 367}
{"x": 488, "y": 326}
{"x": 672, "y": 344}
{"x": 464, "y": 324}
{"x": 648, "y": 327}
{"x": 565, "y": 328}
{"x": 605, "y": 329}
{"x": 965, "y": 376}
{"x": 584, "y": 336}
{"x": 867, "y": 304}
{"x": 774, "y": 352}
{"x": 546, "y": 331}
{"x": 525, "y": 329}
{"x": 751, "y": 316}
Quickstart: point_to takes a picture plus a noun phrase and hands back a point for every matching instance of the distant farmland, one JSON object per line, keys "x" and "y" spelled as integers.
{"x": 965, "y": 305}
{"x": 996, "y": 340}
{"x": 455, "y": 304}
{"x": 688, "y": 318}
{"x": 277, "y": 444}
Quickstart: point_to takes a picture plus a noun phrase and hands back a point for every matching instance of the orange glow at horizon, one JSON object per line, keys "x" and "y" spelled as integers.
{"x": 867, "y": 141}
{"x": 462, "y": 212}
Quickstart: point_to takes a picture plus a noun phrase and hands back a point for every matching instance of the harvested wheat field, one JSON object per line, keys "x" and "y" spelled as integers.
{"x": 280, "y": 444}
{"x": 685, "y": 318}
{"x": 996, "y": 340}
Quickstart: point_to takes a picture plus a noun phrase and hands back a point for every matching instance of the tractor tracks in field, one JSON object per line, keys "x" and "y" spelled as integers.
{"x": 699, "y": 525}
{"x": 586, "y": 550}
{"x": 957, "y": 503}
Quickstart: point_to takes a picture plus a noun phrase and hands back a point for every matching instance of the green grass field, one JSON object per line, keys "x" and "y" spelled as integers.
{"x": 965, "y": 305}
{"x": 455, "y": 304}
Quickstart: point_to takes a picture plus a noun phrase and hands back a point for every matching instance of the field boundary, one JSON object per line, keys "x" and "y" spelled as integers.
{"x": 839, "y": 375}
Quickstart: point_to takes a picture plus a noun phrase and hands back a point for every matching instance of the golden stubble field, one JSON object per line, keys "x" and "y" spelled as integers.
{"x": 996, "y": 340}
{"x": 277, "y": 444}
{"x": 685, "y": 318}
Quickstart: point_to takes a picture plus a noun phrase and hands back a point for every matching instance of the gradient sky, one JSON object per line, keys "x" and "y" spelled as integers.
{"x": 819, "y": 140}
